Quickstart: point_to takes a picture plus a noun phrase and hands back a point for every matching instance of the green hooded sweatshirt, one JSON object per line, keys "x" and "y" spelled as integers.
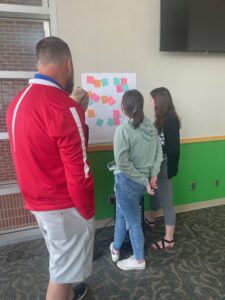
{"x": 137, "y": 152}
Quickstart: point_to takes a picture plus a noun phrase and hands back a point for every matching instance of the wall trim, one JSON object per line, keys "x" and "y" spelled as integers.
{"x": 17, "y": 74}
{"x": 24, "y": 11}
{"x": 9, "y": 189}
{"x": 109, "y": 146}
{"x": 202, "y": 139}
{"x": 4, "y": 136}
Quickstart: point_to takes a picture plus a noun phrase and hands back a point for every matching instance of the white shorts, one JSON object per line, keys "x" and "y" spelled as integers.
{"x": 70, "y": 240}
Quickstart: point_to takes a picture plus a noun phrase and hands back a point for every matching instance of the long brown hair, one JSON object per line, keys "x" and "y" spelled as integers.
{"x": 163, "y": 105}
{"x": 133, "y": 104}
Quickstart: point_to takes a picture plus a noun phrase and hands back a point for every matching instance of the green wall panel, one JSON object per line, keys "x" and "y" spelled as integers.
{"x": 202, "y": 163}
{"x": 103, "y": 182}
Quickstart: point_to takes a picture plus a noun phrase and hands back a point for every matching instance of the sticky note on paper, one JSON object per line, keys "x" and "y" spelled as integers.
{"x": 116, "y": 121}
{"x": 123, "y": 81}
{"x": 99, "y": 122}
{"x": 94, "y": 97}
{"x": 91, "y": 113}
{"x": 90, "y": 79}
{"x": 104, "y": 99}
{"x": 116, "y": 81}
{"x": 119, "y": 89}
{"x": 116, "y": 114}
{"x": 110, "y": 122}
{"x": 125, "y": 87}
{"x": 89, "y": 93}
{"x": 105, "y": 82}
{"x": 97, "y": 83}
{"x": 111, "y": 100}
{"x": 90, "y": 102}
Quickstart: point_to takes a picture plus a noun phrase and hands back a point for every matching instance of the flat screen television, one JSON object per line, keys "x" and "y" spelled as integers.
{"x": 192, "y": 25}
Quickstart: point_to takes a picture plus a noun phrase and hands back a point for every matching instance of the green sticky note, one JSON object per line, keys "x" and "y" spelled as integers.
{"x": 125, "y": 87}
{"x": 105, "y": 82}
{"x": 99, "y": 122}
{"x": 116, "y": 81}
{"x": 110, "y": 122}
{"x": 90, "y": 102}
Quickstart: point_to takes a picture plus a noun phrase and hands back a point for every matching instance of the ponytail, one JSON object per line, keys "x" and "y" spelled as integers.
{"x": 138, "y": 118}
{"x": 133, "y": 104}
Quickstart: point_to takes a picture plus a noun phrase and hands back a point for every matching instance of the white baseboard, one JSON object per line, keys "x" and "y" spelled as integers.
{"x": 34, "y": 233}
{"x": 178, "y": 208}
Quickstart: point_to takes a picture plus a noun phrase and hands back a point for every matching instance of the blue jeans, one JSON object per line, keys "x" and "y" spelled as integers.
{"x": 128, "y": 194}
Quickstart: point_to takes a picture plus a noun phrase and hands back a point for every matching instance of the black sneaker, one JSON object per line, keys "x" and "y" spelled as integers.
{"x": 80, "y": 291}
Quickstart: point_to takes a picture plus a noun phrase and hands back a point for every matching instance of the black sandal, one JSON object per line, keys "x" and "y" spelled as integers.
{"x": 150, "y": 223}
{"x": 163, "y": 241}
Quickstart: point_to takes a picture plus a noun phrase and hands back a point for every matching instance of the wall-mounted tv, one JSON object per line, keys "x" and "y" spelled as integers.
{"x": 192, "y": 25}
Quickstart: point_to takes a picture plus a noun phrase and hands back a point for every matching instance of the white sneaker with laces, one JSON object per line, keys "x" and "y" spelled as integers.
{"x": 131, "y": 264}
{"x": 115, "y": 257}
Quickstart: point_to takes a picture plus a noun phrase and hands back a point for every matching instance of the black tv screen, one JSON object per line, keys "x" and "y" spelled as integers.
{"x": 192, "y": 25}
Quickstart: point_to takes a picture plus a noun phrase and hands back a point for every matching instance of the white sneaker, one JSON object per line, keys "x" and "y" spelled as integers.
{"x": 131, "y": 264}
{"x": 115, "y": 257}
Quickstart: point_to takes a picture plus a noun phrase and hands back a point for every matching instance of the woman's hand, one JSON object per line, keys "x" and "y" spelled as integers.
{"x": 150, "y": 190}
{"x": 153, "y": 181}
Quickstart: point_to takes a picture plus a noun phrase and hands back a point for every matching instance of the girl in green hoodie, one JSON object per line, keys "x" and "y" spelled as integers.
{"x": 138, "y": 156}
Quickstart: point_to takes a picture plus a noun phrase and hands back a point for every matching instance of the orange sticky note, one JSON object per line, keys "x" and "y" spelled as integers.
{"x": 91, "y": 113}
{"x": 97, "y": 83}
{"x": 104, "y": 99}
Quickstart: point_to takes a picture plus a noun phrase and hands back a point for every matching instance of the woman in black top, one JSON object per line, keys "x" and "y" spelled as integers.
{"x": 168, "y": 124}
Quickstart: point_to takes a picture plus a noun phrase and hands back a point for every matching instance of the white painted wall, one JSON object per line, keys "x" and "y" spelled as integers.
{"x": 123, "y": 36}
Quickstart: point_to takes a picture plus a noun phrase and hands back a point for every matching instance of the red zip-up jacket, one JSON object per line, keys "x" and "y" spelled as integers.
{"x": 47, "y": 139}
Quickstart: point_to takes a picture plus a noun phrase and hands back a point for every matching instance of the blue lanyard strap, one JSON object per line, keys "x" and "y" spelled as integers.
{"x": 44, "y": 77}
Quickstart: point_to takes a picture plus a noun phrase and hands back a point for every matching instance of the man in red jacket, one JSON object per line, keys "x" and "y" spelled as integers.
{"x": 47, "y": 138}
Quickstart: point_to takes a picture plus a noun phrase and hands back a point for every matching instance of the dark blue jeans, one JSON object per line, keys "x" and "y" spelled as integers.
{"x": 128, "y": 194}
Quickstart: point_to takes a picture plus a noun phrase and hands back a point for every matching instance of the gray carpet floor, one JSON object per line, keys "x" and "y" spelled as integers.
{"x": 194, "y": 269}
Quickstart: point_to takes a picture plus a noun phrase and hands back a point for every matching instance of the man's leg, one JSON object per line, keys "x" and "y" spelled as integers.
{"x": 58, "y": 291}
{"x": 69, "y": 239}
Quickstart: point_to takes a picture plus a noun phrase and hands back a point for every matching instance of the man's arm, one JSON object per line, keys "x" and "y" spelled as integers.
{"x": 68, "y": 132}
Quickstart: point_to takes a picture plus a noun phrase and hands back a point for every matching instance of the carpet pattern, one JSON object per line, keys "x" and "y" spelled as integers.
{"x": 194, "y": 269}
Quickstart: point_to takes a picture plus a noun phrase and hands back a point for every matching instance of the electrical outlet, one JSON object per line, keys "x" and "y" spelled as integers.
{"x": 193, "y": 186}
{"x": 216, "y": 182}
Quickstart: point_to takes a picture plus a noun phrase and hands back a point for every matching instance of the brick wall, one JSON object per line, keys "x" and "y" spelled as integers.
{"x": 12, "y": 213}
{"x": 8, "y": 89}
{"x": 23, "y": 2}
{"x": 17, "y": 53}
{"x": 7, "y": 171}
{"x": 18, "y": 39}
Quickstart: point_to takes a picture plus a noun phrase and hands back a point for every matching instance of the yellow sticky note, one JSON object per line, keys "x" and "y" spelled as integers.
{"x": 91, "y": 113}
{"x": 97, "y": 83}
{"x": 104, "y": 99}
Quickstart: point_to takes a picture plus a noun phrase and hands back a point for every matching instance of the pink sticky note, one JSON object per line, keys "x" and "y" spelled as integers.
{"x": 116, "y": 114}
{"x": 123, "y": 81}
{"x": 111, "y": 100}
{"x": 90, "y": 79}
{"x": 116, "y": 121}
{"x": 94, "y": 97}
{"x": 119, "y": 89}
